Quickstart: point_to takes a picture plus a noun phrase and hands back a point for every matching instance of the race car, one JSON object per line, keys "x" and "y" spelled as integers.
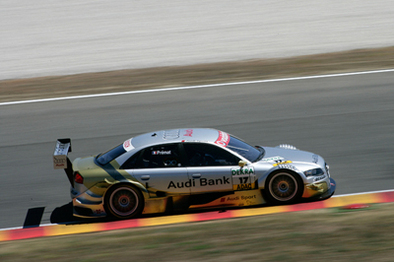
{"x": 174, "y": 170}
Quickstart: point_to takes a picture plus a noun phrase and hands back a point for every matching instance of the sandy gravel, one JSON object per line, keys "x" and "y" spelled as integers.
{"x": 79, "y": 36}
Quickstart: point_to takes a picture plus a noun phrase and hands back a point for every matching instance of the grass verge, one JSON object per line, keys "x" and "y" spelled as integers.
{"x": 317, "y": 235}
{"x": 137, "y": 79}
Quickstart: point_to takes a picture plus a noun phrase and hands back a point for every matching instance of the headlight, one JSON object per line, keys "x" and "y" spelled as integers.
{"x": 314, "y": 172}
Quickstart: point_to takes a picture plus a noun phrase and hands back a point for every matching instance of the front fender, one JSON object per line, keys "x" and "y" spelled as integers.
{"x": 287, "y": 168}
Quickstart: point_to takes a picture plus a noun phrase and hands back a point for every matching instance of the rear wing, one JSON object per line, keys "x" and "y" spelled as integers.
{"x": 60, "y": 157}
{"x": 63, "y": 146}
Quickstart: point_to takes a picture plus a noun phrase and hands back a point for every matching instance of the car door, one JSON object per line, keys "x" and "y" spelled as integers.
{"x": 211, "y": 168}
{"x": 161, "y": 170}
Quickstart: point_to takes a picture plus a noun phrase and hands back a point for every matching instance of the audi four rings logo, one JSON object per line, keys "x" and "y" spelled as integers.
{"x": 172, "y": 162}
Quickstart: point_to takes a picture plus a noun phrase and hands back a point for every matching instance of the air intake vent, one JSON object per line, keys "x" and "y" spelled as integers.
{"x": 285, "y": 146}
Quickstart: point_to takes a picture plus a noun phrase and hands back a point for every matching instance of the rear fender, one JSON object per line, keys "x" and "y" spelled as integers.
{"x": 128, "y": 182}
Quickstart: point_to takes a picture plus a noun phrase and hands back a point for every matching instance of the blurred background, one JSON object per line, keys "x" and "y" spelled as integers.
{"x": 69, "y": 37}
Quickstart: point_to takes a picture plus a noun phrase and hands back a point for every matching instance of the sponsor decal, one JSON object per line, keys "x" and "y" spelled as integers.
{"x": 171, "y": 162}
{"x": 62, "y": 148}
{"x": 193, "y": 140}
{"x": 242, "y": 171}
{"x": 127, "y": 145}
{"x": 98, "y": 211}
{"x": 235, "y": 198}
{"x": 248, "y": 197}
{"x": 223, "y": 139}
{"x": 287, "y": 166}
{"x": 201, "y": 182}
{"x": 239, "y": 187}
{"x": 315, "y": 158}
{"x": 319, "y": 178}
{"x": 272, "y": 159}
{"x": 59, "y": 161}
{"x": 242, "y": 178}
{"x": 214, "y": 182}
{"x": 280, "y": 163}
{"x": 161, "y": 153}
{"x": 189, "y": 132}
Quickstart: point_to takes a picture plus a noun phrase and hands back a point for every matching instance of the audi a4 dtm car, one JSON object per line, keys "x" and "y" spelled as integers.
{"x": 178, "y": 169}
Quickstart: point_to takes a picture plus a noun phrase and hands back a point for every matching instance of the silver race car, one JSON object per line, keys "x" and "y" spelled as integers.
{"x": 174, "y": 170}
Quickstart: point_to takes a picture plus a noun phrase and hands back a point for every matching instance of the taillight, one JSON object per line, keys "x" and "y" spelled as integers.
{"x": 78, "y": 178}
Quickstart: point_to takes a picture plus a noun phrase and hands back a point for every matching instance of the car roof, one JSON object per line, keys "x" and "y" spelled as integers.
{"x": 175, "y": 136}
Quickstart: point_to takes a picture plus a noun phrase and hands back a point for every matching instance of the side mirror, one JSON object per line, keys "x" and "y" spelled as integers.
{"x": 242, "y": 163}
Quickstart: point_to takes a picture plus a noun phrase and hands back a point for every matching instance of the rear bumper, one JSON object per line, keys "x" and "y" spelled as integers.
{"x": 90, "y": 205}
{"x": 87, "y": 204}
{"x": 87, "y": 210}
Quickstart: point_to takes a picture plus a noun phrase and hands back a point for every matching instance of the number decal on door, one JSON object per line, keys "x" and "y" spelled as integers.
{"x": 243, "y": 179}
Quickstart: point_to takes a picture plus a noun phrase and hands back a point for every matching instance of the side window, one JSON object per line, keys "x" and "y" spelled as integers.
{"x": 156, "y": 157}
{"x": 132, "y": 161}
{"x": 208, "y": 155}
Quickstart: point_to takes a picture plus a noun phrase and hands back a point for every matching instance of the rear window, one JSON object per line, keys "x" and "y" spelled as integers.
{"x": 107, "y": 157}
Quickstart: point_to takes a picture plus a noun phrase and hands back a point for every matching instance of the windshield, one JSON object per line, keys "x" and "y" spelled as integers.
{"x": 249, "y": 152}
{"x": 107, "y": 157}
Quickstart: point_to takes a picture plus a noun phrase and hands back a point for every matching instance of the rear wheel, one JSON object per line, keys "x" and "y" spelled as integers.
{"x": 124, "y": 201}
{"x": 283, "y": 187}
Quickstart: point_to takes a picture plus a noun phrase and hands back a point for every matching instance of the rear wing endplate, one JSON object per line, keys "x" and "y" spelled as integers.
{"x": 60, "y": 159}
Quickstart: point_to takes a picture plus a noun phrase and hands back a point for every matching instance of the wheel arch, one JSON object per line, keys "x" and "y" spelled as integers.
{"x": 263, "y": 183}
{"x": 263, "y": 180}
{"x": 140, "y": 190}
{"x": 135, "y": 184}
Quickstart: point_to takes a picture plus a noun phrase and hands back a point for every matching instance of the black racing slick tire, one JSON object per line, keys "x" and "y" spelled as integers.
{"x": 283, "y": 187}
{"x": 124, "y": 201}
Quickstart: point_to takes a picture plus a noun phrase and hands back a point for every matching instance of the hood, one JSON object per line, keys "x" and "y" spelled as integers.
{"x": 278, "y": 154}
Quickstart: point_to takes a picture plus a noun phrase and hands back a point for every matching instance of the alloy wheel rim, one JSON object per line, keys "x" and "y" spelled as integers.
{"x": 283, "y": 187}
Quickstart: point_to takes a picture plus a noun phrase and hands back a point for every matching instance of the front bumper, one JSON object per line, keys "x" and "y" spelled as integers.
{"x": 330, "y": 192}
{"x": 327, "y": 194}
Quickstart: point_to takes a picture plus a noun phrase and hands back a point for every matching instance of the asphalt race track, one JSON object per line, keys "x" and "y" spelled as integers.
{"x": 349, "y": 120}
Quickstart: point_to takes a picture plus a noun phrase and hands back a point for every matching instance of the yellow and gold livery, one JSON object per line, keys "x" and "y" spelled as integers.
{"x": 177, "y": 169}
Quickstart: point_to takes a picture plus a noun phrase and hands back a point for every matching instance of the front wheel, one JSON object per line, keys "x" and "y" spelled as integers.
{"x": 283, "y": 188}
{"x": 124, "y": 201}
